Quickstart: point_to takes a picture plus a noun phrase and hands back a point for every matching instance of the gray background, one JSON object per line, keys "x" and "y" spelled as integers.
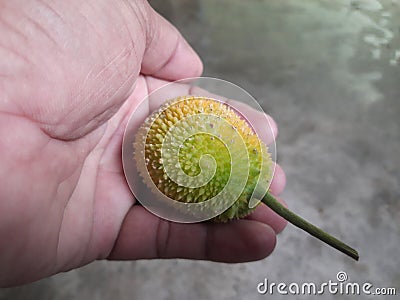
{"x": 327, "y": 72}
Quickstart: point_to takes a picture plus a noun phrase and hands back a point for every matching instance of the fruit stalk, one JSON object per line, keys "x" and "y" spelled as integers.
{"x": 299, "y": 222}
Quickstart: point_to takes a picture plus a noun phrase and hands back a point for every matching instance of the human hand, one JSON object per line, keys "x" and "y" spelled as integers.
{"x": 71, "y": 73}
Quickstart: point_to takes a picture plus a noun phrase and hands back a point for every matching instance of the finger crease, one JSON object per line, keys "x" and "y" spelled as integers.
{"x": 162, "y": 238}
{"x": 170, "y": 58}
{"x": 206, "y": 250}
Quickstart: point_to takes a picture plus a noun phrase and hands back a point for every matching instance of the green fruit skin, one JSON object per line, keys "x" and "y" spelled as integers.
{"x": 192, "y": 149}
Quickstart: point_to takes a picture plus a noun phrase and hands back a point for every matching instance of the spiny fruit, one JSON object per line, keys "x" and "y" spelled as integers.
{"x": 205, "y": 137}
{"x": 198, "y": 148}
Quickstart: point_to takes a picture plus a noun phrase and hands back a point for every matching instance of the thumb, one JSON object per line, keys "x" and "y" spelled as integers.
{"x": 167, "y": 55}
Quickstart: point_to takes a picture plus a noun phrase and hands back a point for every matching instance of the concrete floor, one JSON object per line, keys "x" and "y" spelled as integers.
{"x": 327, "y": 72}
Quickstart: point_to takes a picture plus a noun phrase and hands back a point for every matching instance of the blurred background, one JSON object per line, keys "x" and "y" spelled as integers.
{"x": 329, "y": 73}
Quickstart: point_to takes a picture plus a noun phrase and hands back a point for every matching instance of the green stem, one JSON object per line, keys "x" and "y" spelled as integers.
{"x": 285, "y": 213}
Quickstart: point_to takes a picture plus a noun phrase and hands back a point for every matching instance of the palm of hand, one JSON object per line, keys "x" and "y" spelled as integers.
{"x": 65, "y": 199}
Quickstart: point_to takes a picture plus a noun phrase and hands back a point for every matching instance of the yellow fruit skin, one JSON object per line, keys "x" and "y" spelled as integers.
{"x": 153, "y": 133}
